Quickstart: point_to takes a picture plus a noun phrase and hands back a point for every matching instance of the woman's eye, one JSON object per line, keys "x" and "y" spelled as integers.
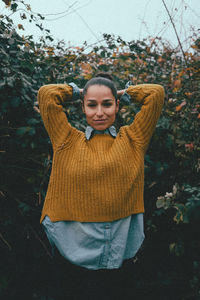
{"x": 104, "y": 104}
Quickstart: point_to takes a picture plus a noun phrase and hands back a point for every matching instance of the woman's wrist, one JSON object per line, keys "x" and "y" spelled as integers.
{"x": 124, "y": 97}
{"x": 76, "y": 94}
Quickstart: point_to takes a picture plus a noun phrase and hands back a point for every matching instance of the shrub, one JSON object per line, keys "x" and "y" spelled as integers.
{"x": 170, "y": 255}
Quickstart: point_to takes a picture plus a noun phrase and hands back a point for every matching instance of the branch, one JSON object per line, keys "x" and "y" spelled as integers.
{"x": 174, "y": 29}
{"x": 179, "y": 42}
{"x": 29, "y": 225}
{"x": 86, "y": 24}
{"x": 5, "y": 242}
{"x": 34, "y": 232}
{"x": 60, "y": 13}
{"x": 39, "y": 239}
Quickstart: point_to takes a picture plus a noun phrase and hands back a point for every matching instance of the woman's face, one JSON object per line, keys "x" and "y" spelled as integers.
{"x": 100, "y": 107}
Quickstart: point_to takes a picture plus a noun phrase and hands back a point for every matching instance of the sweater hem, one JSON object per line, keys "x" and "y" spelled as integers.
{"x": 55, "y": 217}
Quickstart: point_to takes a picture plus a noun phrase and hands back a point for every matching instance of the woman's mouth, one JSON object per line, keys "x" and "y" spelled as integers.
{"x": 100, "y": 121}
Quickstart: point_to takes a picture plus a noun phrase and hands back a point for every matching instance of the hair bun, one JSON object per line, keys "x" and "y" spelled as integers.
{"x": 104, "y": 79}
{"x": 104, "y": 75}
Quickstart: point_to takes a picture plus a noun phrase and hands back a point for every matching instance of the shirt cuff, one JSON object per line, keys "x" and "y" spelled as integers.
{"x": 125, "y": 98}
{"x": 76, "y": 92}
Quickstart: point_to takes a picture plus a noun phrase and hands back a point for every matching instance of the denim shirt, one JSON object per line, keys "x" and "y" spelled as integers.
{"x": 97, "y": 245}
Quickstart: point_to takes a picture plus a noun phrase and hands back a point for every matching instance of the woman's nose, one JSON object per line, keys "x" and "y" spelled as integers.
{"x": 99, "y": 112}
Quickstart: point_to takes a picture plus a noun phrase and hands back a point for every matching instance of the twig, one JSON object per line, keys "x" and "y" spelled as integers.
{"x": 39, "y": 239}
{"x": 34, "y": 232}
{"x": 5, "y": 242}
{"x": 65, "y": 13}
{"x": 174, "y": 30}
{"x": 86, "y": 24}
{"x": 179, "y": 42}
{"x": 56, "y": 14}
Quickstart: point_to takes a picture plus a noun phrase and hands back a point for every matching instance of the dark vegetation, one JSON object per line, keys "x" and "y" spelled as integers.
{"x": 168, "y": 265}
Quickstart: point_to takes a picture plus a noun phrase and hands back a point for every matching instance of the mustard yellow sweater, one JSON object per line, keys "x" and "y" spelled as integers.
{"x": 101, "y": 179}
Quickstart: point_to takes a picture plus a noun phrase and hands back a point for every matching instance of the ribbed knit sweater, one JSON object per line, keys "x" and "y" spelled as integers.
{"x": 101, "y": 179}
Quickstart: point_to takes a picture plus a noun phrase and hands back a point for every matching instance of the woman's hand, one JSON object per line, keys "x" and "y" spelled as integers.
{"x": 81, "y": 92}
{"x": 120, "y": 93}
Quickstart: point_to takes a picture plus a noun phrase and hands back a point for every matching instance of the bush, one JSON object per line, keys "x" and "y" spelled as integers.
{"x": 168, "y": 263}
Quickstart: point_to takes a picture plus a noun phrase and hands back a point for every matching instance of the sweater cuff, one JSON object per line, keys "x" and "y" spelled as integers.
{"x": 76, "y": 92}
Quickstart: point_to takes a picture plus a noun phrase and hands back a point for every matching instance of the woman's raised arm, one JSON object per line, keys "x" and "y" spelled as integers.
{"x": 51, "y": 98}
{"x": 151, "y": 97}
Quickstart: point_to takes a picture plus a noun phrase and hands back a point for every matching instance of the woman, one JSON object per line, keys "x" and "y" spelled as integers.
{"x": 93, "y": 210}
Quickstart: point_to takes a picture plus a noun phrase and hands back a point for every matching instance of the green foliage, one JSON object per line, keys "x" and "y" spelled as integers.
{"x": 172, "y": 162}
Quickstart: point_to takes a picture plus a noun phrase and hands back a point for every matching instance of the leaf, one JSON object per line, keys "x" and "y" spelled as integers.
{"x": 181, "y": 214}
{"x": 2, "y": 83}
{"x": 23, "y": 16}
{"x": 25, "y": 207}
{"x": 15, "y": 102}
{"x": 11, "y": 41}
{"x": 188, "y": 94}
{"x": 24, "y": 130}
{"x": 28, "y": 7}
{"x": 172, "y": 247}
{"x": 177, "y": 85}
{"x": 21, "y": 130}
{"x": 189, "y": 147}
{"x": 33, "y": 121}
{"x": 31, "y": 131}
{"x": 160, "y": 59}
{"x": 20, "y": 26}
{"x": 7, "y": 2}
{"x": 160, "y": 202}
{"x": 14, "y": 6}
{"x": 179, "y": 107}
{"x": 177, "y": 248}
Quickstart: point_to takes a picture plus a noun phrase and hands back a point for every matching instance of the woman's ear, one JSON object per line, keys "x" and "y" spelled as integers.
{"x": 117, "y": 105}
{"x": 83, "y": 108}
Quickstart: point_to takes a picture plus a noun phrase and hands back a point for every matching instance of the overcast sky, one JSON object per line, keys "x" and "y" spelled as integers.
{"x": 87, "y": 20}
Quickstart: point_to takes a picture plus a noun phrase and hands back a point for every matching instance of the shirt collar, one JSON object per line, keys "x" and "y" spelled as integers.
{"x": 89, "y": 131}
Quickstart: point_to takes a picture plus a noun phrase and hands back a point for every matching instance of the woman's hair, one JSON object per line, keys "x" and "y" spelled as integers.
{"x": 102, "y": 79}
